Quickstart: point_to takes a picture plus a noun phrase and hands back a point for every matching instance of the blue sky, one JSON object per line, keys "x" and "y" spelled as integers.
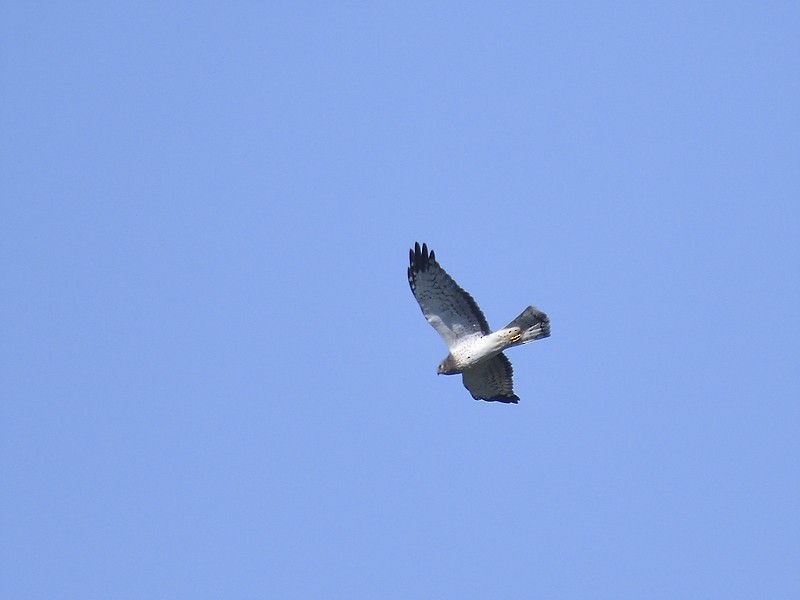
{"x": 217, "y": 384}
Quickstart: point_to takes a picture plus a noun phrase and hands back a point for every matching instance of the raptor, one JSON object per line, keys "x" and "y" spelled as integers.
{"x": 475, "y": 350}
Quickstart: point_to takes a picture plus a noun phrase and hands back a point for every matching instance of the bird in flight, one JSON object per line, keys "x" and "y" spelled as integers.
{"x": 474, "y": 350}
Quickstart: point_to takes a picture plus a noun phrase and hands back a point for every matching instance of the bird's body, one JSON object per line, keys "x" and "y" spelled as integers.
{"x": 474, "y": 350}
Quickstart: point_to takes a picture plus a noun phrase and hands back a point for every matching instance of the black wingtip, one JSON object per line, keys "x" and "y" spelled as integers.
{"x": 419, "y": 259}
{"x": 504, "y": 399}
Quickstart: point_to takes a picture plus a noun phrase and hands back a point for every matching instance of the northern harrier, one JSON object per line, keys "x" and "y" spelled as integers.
{"x": 474, "y": 351}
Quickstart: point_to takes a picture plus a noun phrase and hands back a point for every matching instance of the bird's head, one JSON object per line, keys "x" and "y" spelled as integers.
{"x": 447, "y": 366}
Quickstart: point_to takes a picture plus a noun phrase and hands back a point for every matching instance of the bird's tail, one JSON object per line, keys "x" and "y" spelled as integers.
{"x": 531, "y": 325}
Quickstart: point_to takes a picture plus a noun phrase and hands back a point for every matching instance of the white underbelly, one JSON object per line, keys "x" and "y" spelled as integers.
{"x": 472, "y": 352}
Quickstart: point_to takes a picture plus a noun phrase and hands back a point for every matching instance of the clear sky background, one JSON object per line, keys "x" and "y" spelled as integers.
{"x": 216, "y": 383}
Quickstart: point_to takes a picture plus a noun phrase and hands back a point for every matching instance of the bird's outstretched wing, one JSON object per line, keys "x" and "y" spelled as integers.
{"x": 491, "y": 380}
{"x": 451, "y": 310}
